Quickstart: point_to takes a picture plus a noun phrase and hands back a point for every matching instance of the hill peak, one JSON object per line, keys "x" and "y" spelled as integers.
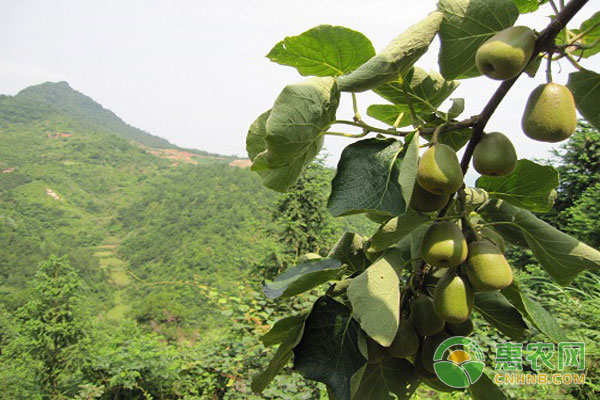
{"x": 62, "y": 98}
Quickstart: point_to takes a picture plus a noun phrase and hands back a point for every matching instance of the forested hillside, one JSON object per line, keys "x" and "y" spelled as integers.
{"x": 153, "y": 243}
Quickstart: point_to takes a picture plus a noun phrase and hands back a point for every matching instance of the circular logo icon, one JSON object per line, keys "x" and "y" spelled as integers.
{"x": 458, "y": 362}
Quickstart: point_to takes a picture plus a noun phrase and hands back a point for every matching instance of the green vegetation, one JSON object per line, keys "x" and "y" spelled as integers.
{"x": 452, "y": 251}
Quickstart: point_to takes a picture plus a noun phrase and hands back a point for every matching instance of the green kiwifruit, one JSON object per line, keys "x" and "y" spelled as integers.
{"x": 487, "y": 269}
{"x": 464, "y": 328}
{"x": 406, "y": 341}
{"x": 430, "y": 345}
{"x": 495, "y": 155}
{"x": 506, "y": 53}
{"x": 453, "y": 298}
{"x": 424, "y": 201}
{"x": 444, "y": 245}
{"x": 439, "y": 170}
{"x": 550, "y": 113}
{"x": 423, "y": 318}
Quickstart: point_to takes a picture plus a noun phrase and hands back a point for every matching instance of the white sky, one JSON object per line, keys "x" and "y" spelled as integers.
{"x": 194, "y": 72}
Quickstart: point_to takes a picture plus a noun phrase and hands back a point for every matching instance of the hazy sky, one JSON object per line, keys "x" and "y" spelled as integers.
{"x": 195, "y": 72}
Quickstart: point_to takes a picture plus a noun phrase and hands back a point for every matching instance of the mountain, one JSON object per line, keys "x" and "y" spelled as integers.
{"x": 76, "y": 180}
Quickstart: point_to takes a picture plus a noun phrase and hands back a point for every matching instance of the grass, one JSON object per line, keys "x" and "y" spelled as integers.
{"x": 120, "y": 277}
{"x": 118, "y": 312}
{"x": 112, "y": 262}
{"x": 102, "y": 254}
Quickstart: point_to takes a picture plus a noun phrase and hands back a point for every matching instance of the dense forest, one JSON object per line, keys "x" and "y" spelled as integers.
{"x": 125, "y": 274}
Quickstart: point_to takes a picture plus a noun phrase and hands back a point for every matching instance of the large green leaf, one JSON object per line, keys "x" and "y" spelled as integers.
{"x": 497, "y": 310}
{"x": 486, "y": 389}
{"x": 368, "y": 178}
{"x": 467, "y": 24}
{"x": 328, "y": 351}
{"x": 324, "y": 50}
{"x": 425, "y": 91}
{"x": 375, "y": 298}
{"x": 561, "y": 255}
{"x": 377, "y": 381}
{"x": 281, "y": 329}
{"x": 395, "y": 229}
{"x": 585, "y": 86}
{"x": 530, "y": 186}
{"x": 303, "y": 277}
{"x": 535, "y": 313}
{"x": 293, "y": 131}
{"x": 280, "y": 359}
{"x": 396, "y": 58}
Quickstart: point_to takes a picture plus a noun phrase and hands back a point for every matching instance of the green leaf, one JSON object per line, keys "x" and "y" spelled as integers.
{"x": 328, "y": 351}
{"x": 486, "y": 389}
{"x": 585, "y": 86}
{"x": 255, "y": 140}
{"x": 389, "y": 114}
{"x": 293, "y": 131}
{"x": 367, "y": 179}
{"x": 457, "y": 107}
{"x": 467, "y": 24}
{"x": 535, "y": 313}
{"x": 426, "y": 91}
{"x": 279, "y": 360}
{"x": 395, "y": 229}
{"x": 530, "y": 186}
{"x": 324, "y": 50}
{"x": 528, "y": 6}
{"x": 303, "y": 277}
{"x": 396, "y": 58}
{"x": 375, "y": 298}
{"x": 562, "y": 256}
{"x": 496, "y": 310}
{"x": 376, "y": 381}
{"x": 591, "y": 40}
{"x": 281, "y": 329}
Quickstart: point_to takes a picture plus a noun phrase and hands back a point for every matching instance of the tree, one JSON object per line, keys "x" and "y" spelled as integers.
{"x": 51, "y": 326}
{"x": 382, "y": 282}
{"x": 576, "y": 205}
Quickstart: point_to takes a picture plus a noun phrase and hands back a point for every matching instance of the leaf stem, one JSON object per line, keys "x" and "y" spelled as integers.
{"x": 369, "y": 128}
{"x": 582, "y": 34}
{"x": 573, "y": 61}
{"x": 348, "y": 135}
{"x": 357, "y": 116}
